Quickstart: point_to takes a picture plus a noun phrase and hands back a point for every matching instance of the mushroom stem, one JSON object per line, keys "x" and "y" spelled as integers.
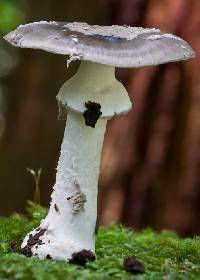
{"x": 70, "y": 224}
{"x": 88, "y": 99}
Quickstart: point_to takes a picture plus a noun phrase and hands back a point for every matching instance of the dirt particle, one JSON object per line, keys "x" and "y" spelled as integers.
{"x": 69, "y": 197}
{"x": 92, "y": 113}
{"x": 33, "y": 240}
{"x": 56, "y": 207}
{"x": 82, "y": 257}
{"x": 27, "y": 251}
{"x": 49, "y": 257}
{"x": 133, "y": 266}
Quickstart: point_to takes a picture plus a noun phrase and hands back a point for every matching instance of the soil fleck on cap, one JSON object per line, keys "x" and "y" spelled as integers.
{"x": 82, "y": 257}
{"x": 92, "y": 113}
{"x": 133, "y": 266}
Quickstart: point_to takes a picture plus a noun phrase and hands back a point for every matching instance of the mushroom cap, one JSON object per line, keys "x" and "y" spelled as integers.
{"x": 120, "y": 46}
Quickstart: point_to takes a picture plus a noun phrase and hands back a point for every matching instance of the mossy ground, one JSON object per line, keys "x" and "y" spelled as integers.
{"x": 164, "y": 255}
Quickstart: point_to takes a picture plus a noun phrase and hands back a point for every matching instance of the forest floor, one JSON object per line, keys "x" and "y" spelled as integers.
{"x": 162, "y": 255}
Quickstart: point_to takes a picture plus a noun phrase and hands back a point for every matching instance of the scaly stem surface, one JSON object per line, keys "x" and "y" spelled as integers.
{"x": 70, "y": 224}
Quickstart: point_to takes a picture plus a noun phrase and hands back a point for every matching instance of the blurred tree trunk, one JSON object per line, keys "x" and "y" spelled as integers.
{"x": 155, "y": 164}
{"x": 33, "y": 133}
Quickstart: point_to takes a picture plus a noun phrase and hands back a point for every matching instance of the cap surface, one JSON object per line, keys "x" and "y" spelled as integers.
{"x": 121, "y": 46}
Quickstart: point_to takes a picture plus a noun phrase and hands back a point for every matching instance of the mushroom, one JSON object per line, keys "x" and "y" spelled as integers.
{"x": 90, "y": 98}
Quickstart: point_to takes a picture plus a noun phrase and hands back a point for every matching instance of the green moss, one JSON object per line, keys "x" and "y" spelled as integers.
{"x": 164, "y": 255}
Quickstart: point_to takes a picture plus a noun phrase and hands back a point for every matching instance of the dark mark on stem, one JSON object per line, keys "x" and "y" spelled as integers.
{"x": 92, "y": 113}
{"x": 79, "y": 199}
{"x": 56, "y": 207}
{"x": 27, "y": 251}
{"x": 33, "y": 240}
{"x": 49, "y": 257}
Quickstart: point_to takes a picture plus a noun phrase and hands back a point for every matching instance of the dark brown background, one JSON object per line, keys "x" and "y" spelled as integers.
{"x": 150, "y": 173}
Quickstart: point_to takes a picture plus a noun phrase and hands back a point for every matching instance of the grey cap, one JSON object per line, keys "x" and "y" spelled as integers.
{"x": 120, "y": 46}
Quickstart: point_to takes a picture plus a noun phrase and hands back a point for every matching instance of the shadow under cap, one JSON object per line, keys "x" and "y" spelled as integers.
{"x": 120, "y": 46}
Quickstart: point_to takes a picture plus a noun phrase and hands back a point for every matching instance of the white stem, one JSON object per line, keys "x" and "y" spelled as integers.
{"x": 70, "y": 223}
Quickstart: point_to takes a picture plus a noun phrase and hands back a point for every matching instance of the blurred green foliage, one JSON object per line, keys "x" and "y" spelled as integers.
{"x": 164, "y": 255}
{"x": 11, "y": 14}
